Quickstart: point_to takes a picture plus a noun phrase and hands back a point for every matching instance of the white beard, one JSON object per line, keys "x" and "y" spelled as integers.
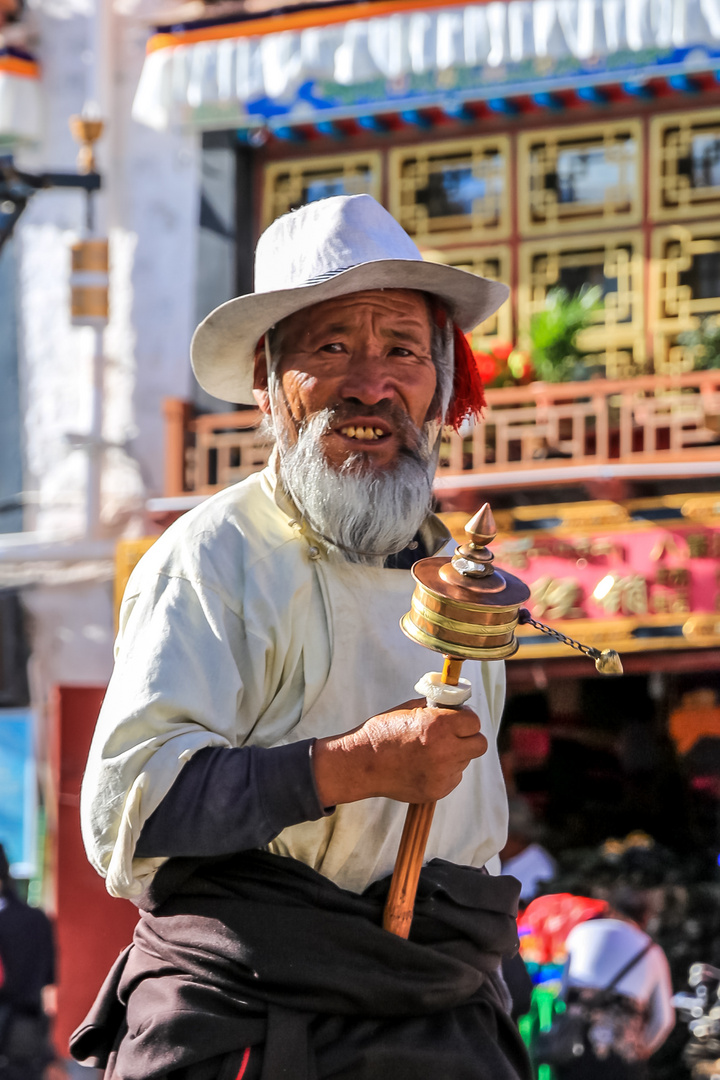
{"x": 366, "y": 513}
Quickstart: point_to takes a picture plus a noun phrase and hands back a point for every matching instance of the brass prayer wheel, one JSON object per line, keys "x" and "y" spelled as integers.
{"x": 466, "y": 608}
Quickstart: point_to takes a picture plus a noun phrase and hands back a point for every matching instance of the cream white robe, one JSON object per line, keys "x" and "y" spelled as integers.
{"x": 238, "y": 628}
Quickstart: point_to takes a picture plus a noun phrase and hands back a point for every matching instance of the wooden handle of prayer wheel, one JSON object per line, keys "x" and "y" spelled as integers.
{"x": 400, "y": 903}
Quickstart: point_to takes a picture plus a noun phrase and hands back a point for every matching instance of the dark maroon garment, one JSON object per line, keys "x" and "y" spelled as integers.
{"x": 261, "y": 951}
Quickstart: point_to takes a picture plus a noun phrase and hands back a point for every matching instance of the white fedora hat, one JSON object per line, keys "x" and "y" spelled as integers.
{"x": 329, "y": 248}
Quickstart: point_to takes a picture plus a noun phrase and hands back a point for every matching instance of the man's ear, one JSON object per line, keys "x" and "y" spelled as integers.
{"x": 260, "y": 378}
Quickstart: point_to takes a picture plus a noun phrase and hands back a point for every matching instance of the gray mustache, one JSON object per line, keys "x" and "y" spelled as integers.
{"x": 410, "y": 436}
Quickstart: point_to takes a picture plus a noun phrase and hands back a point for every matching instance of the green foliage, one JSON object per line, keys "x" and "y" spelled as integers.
{"x": 705, "y": 343}
{"x": 553, "y": 333}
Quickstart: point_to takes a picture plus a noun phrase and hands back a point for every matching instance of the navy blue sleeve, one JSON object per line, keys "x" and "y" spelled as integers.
{"x": 233, "y": 799}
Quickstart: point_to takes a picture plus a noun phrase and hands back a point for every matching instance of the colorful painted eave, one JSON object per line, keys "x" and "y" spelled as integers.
{"x": 339, "y": 69}
{"x": 304, "y": 19}
{"x": 20, "y": 112}
{"x": 434, "y": 113}
{"x": 22, "y": 66}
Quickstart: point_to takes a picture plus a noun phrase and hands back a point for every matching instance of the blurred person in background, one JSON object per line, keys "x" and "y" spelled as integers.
{"x": 618, "y": 980}
{"x": 27, "y": 974}
{"x": 523, "y": 856}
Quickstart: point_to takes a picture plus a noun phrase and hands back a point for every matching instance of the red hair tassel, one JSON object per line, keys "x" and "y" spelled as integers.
{"x": 468, "y": 397}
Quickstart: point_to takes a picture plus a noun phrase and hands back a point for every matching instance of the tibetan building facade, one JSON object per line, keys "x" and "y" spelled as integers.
{"x": 567, "y": 149}
{"x": 551, "y": 144}
{"x": 554, "y": 147}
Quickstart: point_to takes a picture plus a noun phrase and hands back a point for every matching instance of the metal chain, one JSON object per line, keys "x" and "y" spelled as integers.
{"x": 525, "y": 617}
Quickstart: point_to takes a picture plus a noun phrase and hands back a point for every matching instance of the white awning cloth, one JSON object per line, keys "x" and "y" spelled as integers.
{"x": 306, "y": 72}
{"x": 19, "y": 101}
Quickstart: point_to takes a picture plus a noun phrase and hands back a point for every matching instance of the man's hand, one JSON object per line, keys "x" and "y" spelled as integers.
{"x": 413, "y": 753}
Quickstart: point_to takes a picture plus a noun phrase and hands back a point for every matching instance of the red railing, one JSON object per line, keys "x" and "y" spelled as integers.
{"x": 649, "y": 419}
{"x": 526, "y": 431}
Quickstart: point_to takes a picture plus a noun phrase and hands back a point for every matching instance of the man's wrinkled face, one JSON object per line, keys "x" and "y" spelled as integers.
{"x": 367, "y": 358}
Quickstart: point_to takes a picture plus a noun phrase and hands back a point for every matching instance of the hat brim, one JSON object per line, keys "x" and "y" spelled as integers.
{"x": 223, "y": 346}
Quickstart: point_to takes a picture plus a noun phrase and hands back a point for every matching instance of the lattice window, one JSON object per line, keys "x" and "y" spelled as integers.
{"x": 440, "y": 192}
{"x": 573, "y": 178}
{"x": 615, "y": 263}
{"x": 685, "y": 152}
{"x": 488, "y": 262}
{"x": 685, "y": 288}
{"x": 291, "y": 184}
{"x": 228, "y": 448}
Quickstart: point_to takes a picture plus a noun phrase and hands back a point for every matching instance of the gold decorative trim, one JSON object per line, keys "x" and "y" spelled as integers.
{"x": 701, "y": 507}
{"x": 678, "y": 252}
{"x": 543, "y": 209}
{"x": 703, "y": 629}
{"x": 482, "y": 164}
{"x": 585, "y": 519}
{"x": 684, "y": 149}
{"x": 618, "y": 338}
{"x": 283, "y": 181}
{"x": 478, "y": 629}
{"x": 463, "y": 651}
{"x": 698, "y": 631}
{"x": 493, "y": 262}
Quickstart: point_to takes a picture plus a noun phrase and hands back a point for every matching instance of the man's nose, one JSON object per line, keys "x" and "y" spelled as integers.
{"x": 368, "y": 378}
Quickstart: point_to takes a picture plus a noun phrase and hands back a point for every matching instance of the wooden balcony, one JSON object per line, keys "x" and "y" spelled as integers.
{"x": 654, "y": 426}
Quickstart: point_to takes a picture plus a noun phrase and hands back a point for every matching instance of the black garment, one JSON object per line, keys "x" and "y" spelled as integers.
{"x": 588, "y": 1067}
{"x": 259, "y": 950}
{"x": 27, "y": 964}
{"x": 27, "y": 954}
{"x": 519, "y": 984}
{"x": 416, "y": 549}
{"x": 228, "y": 799}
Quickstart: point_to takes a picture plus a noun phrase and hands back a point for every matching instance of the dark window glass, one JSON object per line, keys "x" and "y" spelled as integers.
{"x": 573, "y": 278}
{"x": 702, "y": 165}
{"x": 592, "y": 176}
{"x": 703, "y": 277}
{"x": 453, "y": 190}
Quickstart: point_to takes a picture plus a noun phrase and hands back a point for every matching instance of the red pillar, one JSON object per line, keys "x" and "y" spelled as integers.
{"x": 92, "y": 927}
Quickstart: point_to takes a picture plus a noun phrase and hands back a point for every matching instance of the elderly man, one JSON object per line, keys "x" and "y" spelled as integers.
{"x": 247, "y": 780}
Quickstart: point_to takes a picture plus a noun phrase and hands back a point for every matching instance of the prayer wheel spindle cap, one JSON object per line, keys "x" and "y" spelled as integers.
{"x": 474, "y": 559}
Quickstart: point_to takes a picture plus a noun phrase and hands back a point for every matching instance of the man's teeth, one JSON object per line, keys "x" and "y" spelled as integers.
{"x": 362, "y": 432}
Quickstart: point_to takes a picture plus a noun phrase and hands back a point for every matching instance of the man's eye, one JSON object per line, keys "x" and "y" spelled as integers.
{"x": 398, "y": 350}
{"x": 332, "y": 346}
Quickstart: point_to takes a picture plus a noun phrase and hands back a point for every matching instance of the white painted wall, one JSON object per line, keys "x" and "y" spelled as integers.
{"x": 149, "y": 209}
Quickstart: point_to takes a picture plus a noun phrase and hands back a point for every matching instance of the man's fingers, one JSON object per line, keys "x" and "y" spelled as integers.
{"x": 450, "y": 784}
{"x": 463, "y": 722}
{"x": 414, "y": 752}
{"x": 474, "y": 745}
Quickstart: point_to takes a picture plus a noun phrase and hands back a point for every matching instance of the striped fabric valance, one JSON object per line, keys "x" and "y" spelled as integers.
{"x": 340, "y": 61}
